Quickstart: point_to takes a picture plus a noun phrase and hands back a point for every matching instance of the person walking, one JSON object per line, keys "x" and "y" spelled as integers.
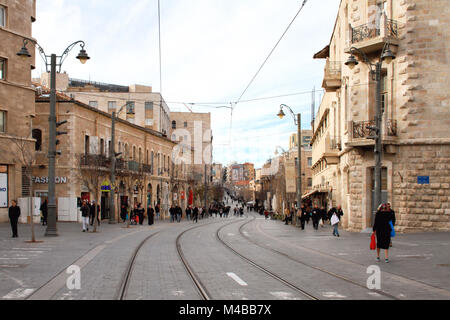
{"x": 188, "y": 213}
{"x": 172, "y": 212}
{"x": 195, "y": 215}
{"x": 150, "y": 215}
{"x": 44, "y": 211}
{"x": 392, "y": 218}
{"x": 382, "y": 229}
{"x": 287, "y": 215}
{"x": 140, "y": 213}
{"x": 123, "y": 213}
{"x": 179, "y": 213}
{"x": 303, "y": 215}
{"x": 85, "y": 212}
{"x": 14, "y": 214}
{"x": 323, "y": 216}
{"x": 335, "y": 223}
{"x": 308, "y": 215}
{"x": 316, "y": 215}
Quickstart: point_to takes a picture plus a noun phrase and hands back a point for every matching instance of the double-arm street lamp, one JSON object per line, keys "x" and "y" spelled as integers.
{"x": 298, "y": 123}
{"x": 52, "y": 152}
{"x": 375, "y": 70}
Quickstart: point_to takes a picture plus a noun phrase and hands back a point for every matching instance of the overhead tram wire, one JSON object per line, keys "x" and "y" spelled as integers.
{"x": 264, "y": 63}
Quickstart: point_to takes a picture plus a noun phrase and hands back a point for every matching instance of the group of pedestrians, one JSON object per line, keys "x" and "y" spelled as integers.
{"x": 175, "y": 213}
{"x": 89, "y": 210}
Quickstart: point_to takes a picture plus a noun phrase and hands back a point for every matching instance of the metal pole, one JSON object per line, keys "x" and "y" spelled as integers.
{"x": 51, "y": 230}
{"x": 112, "y": 152}
{"x": 378, "y": 142}
{"x": 205, "y": 186}
{"x": 299, "y": 169}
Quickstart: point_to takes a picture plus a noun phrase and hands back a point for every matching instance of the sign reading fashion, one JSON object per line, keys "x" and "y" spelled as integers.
{"x": 44, "y": 180}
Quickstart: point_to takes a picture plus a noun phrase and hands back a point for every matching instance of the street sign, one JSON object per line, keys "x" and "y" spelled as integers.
{"x": 106, "y": 186}
{"x": 423, "y": 180}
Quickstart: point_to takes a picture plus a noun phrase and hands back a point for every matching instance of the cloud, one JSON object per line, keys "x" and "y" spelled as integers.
{"x": 210, "y": 52}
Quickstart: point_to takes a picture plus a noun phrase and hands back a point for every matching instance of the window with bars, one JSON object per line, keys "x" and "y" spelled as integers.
{"x": 149, "y": 106}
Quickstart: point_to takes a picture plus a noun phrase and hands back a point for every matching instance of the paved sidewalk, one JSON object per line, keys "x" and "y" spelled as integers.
{"x": 423, "y": 257}
{"x": 25, "y": 267}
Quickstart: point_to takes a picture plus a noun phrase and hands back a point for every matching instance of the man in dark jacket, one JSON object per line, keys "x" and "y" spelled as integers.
{"x": 44, "y": 210}
{"x": 188, "y": 213}
{"x": 14, "y": 214}
{"x": 172, "y": 212}
{"x": 140, "y": 212}
{"x": 316, "y": 215}
{"x": 303, "y": 214}
{"x": 150, "y": 215}
{"x": 179, "y": 213}
{"x": 195, "y": 215}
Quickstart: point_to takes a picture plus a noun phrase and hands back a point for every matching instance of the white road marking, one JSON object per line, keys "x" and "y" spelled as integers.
{"x": 246, "y": 233}
{"x": 284, "y": 296}
{"x": 237, "y": 279}
{"x": 13, "y": 258}
{"x": 20, "y": 293}
{"x": 178, "y": 293}
{"x": 374, "y": 294}
{"x": 333, "y": 295}
{"x": 231, "y": 234}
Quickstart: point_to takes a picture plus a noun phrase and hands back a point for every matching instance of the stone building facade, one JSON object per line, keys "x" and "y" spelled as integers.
{"x": 17, "y": 107}
{"x": 144, "y": 107}
{"x": 194, "y": 130}
{"x": 416, "y": 114}
{"x": 145, "y": 172}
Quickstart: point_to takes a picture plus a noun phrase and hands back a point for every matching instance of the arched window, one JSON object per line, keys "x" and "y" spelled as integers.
{"x": 174, "y": 124}
{"x": 37, "y": 134}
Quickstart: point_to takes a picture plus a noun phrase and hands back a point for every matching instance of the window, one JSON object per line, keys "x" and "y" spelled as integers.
{"x": 93, "y": 104}
{"x": 185, "y": 124}
{"x": 102, "y": 147}
{"x": 2, "y": 69}
{"x": 2, "y": 16}
{"x": 3, "y": 121}
{"x": 174, "y": 124}
{"x": 86, "y": 145}
{"x": 37, "y": 134}
{"x": 309, "y": 162}
{"x": 130, "y": 107}
{"x": 112, "y": 105}
{"x": 149, "y": 106}
{"x": 309, "y": 182}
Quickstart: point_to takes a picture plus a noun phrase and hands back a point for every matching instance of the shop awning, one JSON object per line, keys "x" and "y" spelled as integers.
{"x": 322, "y": 191}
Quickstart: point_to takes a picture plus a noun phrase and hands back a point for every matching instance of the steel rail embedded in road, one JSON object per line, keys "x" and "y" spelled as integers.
{"x": 122, "y": 291}
{"x": 205, "y": 295}
{"x": 308, "y": 265}
{"x": 271, "y": 274}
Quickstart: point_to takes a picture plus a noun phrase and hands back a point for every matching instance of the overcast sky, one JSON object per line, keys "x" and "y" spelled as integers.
{"x": 211, "y": 49}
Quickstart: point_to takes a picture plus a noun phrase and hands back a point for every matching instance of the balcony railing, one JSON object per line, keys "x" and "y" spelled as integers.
{"x": 371, "y": 30}
{"x": 361, "y": 130}
{"x": 93, "y": 160}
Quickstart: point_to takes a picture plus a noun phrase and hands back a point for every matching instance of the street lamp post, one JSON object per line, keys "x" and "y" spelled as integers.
{"x": 375, "y": 71}
{"x": 298, "y": 123}
{"x": 51, "y": 230}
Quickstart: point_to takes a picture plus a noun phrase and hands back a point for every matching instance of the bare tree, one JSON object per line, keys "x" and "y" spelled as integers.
{"x": 26, "y": 154}
{"x": 93, "y": 168}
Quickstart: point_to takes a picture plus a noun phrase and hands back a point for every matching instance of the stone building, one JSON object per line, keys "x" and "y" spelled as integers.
{"x": 17, "y": 107}
{"x": 194, "y": 130}
{"x": 144, "y": 107}
{"x": 145, "y": 172}
{"x": 416, "y": 114}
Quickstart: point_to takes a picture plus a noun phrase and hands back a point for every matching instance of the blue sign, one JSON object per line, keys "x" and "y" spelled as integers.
{"x": 423, "y": 180}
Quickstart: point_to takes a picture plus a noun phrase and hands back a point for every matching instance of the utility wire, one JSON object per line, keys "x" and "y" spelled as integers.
{"x": 271, "y": 52}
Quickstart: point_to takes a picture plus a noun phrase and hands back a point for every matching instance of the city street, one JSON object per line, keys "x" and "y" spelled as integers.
{"x": 246, "y": 258}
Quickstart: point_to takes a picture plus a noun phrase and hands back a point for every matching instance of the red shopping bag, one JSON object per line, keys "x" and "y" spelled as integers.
{"x": 373, "y": 243}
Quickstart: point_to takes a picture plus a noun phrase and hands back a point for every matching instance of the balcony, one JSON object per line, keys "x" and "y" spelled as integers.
{"x": 371, "y": 37}
{"x": 332, "y": 79}
{"x": 94, "y": 161}
{"x": 360, "y": 132}
{"x": 133, "y": 166}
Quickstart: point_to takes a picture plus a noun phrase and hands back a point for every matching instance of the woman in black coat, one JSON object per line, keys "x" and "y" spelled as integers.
{"x": 382, "y": 228}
